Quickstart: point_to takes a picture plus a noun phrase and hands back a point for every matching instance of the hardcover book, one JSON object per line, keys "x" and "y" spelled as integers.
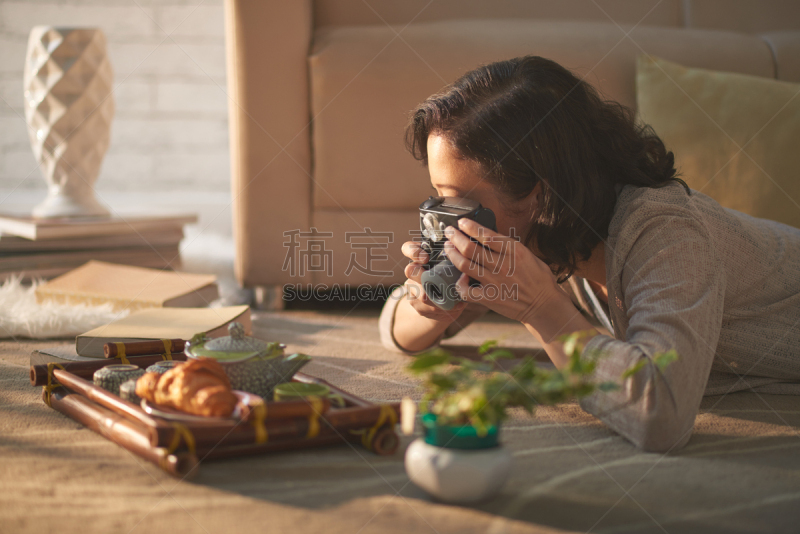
{"x": 11, "y": 245}
{"x": 128, "y": 287}
{"x": 35, "y": 229}
{"x": 168, "y": 256}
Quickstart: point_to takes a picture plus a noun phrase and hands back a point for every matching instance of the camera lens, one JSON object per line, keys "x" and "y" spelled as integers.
{"x": 431, "y": 224}
{"x": 434, "y": 292}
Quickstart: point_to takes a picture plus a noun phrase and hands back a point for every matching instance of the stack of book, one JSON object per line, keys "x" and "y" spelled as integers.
{"x": 149, "y": 324}
{"x": 45, "y": 248}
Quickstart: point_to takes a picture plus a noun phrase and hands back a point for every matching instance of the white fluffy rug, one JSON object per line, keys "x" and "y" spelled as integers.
{"x": 22, "y": 316}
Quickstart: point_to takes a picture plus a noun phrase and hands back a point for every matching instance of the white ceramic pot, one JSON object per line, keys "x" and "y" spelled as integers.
{"x": 457, "y": 475}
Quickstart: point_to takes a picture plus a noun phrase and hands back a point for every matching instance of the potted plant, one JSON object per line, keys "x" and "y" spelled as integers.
{"x": 460, "y": 458}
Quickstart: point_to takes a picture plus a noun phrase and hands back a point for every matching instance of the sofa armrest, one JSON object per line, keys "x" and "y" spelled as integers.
{"x": 267, "y": 44}
{"x": 785, "y": 46}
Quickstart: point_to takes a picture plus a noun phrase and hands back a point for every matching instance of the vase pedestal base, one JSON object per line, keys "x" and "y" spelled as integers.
{"x": 60, "y": 205}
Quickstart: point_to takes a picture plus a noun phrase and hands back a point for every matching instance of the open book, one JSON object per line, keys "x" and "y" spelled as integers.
{"x": 163, "y": 323}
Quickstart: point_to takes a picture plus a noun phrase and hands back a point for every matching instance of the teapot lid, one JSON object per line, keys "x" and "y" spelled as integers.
{"x": 237, "y": 341}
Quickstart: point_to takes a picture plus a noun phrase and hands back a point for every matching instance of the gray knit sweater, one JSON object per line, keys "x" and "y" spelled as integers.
{"x": 718, "y": 286}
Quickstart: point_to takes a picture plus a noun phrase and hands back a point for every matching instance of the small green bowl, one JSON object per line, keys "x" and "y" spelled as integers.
{"x": 300, "y": 390}
{"x": 457, "y": 437}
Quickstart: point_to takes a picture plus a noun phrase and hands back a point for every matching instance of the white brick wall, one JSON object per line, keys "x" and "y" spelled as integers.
{"x": 170, "y": 130}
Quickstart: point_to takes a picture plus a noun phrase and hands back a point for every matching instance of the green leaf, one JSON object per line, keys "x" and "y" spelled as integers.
{"x": 525, "y": 369}
{"x": 470, "y": 391}
{"x": 487, "y": 345}
{"x": 442, "y": 381}
{"x": 635, "y": 368}
{"x": 498, "y": 354}
{"x": 663, "y": 359}
{"x": 425, "y": 362}
{"x": 570, "y": 342}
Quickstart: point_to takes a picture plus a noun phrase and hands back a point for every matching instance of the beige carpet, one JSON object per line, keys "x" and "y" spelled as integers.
{"x": 739, "y": 473}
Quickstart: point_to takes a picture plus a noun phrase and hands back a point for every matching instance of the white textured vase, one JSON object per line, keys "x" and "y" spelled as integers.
{"x": 69, "y": 108}
{"x": 456, "y": 475}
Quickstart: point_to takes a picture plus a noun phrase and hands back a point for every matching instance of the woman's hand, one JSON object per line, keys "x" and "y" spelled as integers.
{"x": 415, "y": 295}
{"x": 418, "y": 323}
{"x": 514, "y": 282}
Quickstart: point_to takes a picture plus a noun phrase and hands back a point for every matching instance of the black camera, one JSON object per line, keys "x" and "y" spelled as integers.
{"x": 436, "y": 214}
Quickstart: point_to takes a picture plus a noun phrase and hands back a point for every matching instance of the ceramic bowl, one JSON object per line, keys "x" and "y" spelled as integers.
{"x": 111, "y": 377}
{"x": 163, "y": 366}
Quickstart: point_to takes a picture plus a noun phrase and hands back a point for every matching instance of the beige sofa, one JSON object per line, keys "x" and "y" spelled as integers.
{"x": 320, "y": 93}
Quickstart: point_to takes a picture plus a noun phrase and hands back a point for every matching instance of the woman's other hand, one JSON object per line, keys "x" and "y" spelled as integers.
{"x": 415, "y": 295}
{"x": 514, "y": 282}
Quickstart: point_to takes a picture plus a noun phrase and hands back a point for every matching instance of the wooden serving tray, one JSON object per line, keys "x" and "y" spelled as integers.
{"x": 178, "y": 448}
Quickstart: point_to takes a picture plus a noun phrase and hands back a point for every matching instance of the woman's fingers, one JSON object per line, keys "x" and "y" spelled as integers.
{"x": 430, "y": 311}
{"x": 418, "y": 257}
{"x": 462, "y": 287}
{"x": 483, "y": 235}
{"x": 476, "y": 252}
{"x": 416, "y": 295}
{"x": 413, "y": 271}
{"x": 414, "y": 252}
{"x": 423, "y": 305}
{"x": 496, "y": 254}
{"x": 463, "y": 263}
{"x": 471, "y": 258}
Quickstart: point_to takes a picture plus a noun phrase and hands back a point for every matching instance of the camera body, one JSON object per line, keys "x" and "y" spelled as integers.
{"x": 436, "y": 214}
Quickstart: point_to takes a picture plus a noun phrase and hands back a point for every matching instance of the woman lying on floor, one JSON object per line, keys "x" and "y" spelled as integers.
{"x": 604, "y": 225}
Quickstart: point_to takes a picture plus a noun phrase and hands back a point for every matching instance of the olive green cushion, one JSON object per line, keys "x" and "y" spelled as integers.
{"x": 735, "y": 137}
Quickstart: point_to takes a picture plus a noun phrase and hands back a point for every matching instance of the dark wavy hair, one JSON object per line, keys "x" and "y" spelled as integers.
{"x": 529, "y": 120}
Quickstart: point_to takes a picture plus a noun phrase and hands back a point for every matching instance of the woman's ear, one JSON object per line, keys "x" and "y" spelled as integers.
{"x": 536, "y": 197}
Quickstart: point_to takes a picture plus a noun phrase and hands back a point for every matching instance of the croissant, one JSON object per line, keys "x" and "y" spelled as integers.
{"x": 199, "y": 387}
{"x": 146, "y": 386}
